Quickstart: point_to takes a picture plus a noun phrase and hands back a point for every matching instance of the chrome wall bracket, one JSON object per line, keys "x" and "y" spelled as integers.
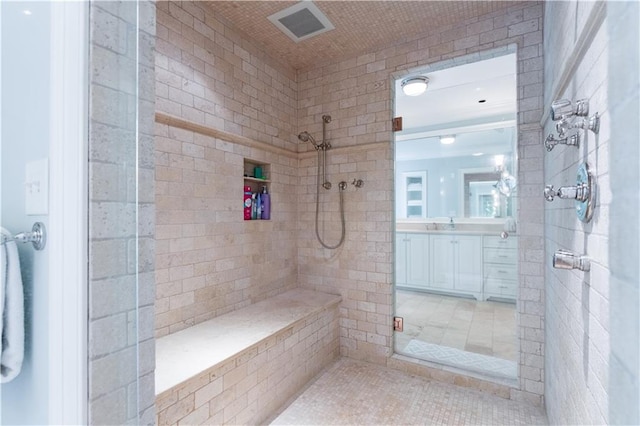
{"x": 564, "y": 259}
{"x": 37, "y": 237}
{"x": 583, "y": 193}
{"x": 550, "y": 142}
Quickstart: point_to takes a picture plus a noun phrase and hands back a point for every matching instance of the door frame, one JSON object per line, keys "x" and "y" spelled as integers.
{"x": 68, "y": 219}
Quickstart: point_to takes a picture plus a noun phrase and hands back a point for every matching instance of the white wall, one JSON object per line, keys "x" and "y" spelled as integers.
{"x": 624, "y": 104}
{"x": 25, "y": 129}
{"x": 577, "y": 303}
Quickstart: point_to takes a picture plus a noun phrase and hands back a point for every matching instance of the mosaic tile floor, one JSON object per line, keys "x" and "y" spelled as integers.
{"x": 355, "y": 393}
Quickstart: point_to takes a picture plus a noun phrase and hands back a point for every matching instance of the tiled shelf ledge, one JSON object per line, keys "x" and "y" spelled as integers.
{"x": 181, "y": 123}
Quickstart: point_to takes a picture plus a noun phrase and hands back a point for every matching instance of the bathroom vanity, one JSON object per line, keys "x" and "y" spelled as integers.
{"x": 465, "y": 262}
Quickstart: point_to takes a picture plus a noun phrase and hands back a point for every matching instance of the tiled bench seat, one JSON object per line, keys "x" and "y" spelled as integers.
{"x": 240, "y": 367}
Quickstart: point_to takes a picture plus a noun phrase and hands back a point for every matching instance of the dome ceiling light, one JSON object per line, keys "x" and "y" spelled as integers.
{"x": 414, "y": 86}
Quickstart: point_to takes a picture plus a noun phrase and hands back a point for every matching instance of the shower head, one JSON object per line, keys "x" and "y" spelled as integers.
{"x": 306, "y": 137}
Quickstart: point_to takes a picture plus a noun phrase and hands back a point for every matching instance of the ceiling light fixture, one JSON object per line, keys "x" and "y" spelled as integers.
{"x": 447, "y": 140}
{"x": 414, "y": 86}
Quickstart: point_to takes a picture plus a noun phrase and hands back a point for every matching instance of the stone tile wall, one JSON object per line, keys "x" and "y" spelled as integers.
{"x": 208, "y": 73}
{"x": 577, "y": 303}
{"x": 356, "y": 92}
{"x": 121, "y": 213}
{"x": 252, "y": 385}
{"x": 230, "y": 85}
{"x": 209, "y": 260}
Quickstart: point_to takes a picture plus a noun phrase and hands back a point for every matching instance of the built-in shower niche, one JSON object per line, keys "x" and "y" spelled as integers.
{"x": 257, "y": 176}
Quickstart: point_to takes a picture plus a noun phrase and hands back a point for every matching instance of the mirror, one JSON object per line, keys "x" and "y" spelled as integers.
{"x": 464, "y": 140}
{"x": 456, "y": 278}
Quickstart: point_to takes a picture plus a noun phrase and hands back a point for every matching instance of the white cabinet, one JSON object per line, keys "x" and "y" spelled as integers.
{"x": 500, "y": 267}
{"x": 456, "y": 264}
{"x": 412, "y": 259}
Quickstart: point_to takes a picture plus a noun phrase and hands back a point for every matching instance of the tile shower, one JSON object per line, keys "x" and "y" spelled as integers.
{"x": 231, "y": 85}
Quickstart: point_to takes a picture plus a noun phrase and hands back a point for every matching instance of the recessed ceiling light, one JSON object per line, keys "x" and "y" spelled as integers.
{"x": 477, "y": 154}
{"x": 447, "y": 140}
{"x": 26, "y": 12}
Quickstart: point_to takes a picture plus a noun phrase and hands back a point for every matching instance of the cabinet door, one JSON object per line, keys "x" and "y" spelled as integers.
{"x": 401, "y": 258}
{"x": 442, "y": 263}
{"x": 418, "y": 260}
{"x": 469, "y": 263}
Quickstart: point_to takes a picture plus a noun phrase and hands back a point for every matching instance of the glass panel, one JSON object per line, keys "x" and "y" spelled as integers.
{"x": 114, "y": 213}
{"x": 456, "y": 278}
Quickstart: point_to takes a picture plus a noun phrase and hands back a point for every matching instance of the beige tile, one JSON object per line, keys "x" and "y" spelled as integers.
{"x": 352, "y": 392}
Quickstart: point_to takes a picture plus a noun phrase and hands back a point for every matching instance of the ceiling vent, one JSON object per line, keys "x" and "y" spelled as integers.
{"x": 301, "y": 21}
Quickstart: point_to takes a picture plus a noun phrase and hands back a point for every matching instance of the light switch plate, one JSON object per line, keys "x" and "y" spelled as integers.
{"x": 36, "y": 187}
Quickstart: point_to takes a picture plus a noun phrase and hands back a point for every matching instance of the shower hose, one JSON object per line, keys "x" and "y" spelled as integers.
{"x": 340, "y": 192}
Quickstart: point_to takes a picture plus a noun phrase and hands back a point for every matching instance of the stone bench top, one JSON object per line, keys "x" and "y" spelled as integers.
{"x": 187, "y": 353}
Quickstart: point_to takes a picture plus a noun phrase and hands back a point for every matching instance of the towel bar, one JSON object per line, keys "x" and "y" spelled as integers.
{"x": 37, "y": 236}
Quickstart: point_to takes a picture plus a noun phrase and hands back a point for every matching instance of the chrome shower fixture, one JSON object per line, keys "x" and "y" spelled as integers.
{"x": 322, "y": 165}
{"x": 592, "y": 123}
{"x": 584, "y": 193}
{"x": 578, "y": 193}
{"x": 563, "y": 108}
{"x": 306, "y": 137}
{"x": 550, "y": 142}
{"x": 358, "y": 183}
{"x": 564, "y": 259}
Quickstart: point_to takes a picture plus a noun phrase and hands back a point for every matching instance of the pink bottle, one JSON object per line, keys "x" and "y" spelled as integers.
{"x": 247, "y": 202}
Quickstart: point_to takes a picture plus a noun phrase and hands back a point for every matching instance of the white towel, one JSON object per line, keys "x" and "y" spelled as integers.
{"x": 12, "y": 309}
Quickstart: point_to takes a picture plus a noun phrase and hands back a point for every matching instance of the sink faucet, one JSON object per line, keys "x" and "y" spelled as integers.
{"x": 452, "y": 225}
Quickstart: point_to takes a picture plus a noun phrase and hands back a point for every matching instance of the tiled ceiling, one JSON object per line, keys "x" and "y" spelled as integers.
{"x": 360, "y": 26}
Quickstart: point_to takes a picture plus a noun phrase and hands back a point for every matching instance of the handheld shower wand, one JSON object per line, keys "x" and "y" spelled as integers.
{"x": 322, "y": 162}
{"x": 306, "y": 137}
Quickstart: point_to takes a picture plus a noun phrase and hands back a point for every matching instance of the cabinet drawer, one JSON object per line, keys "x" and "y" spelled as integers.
{"x": 500, "y": 272}
{"x": 500, "y": 255}
{"x": 497, "y": 242}
{"x": 504, "y": 288}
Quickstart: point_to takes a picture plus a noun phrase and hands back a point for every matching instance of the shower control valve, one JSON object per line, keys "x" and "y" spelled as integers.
{"x": 579, "y": 192}
{"x": 550, "y": 142}
{"x": 592, "y": 123}
{"x": 358, "y": 183}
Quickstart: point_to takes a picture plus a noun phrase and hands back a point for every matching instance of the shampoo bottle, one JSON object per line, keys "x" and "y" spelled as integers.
{"x": 254, "y": 207}
{"x": 266, "y": 204}
{"x": 258, "y": 207}
{"x": 247, "y": 203}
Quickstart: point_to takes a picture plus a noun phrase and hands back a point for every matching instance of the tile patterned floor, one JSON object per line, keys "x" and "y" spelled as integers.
{"x": 355, "y": 393}
{"x": 483, "y": 327}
